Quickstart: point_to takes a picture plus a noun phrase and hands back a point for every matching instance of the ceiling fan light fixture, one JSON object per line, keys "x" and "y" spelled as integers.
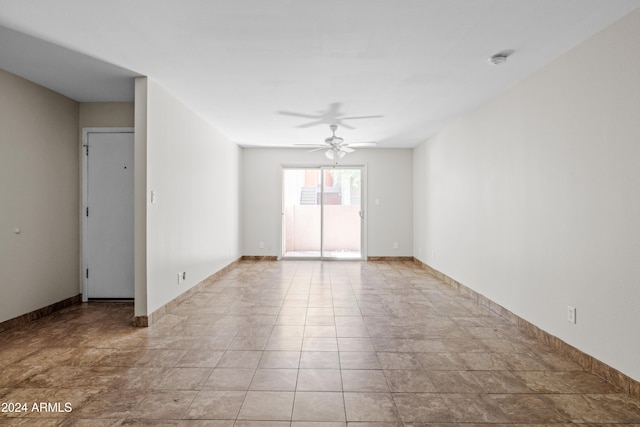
{"x": 335, "y": 148}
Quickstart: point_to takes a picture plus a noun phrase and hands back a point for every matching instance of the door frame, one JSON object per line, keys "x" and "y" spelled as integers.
{"x": 363, "y": 210}
{"x": 85, "y": 196}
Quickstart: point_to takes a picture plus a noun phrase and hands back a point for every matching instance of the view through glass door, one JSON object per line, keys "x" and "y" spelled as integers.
{"x": 322, "y": 213}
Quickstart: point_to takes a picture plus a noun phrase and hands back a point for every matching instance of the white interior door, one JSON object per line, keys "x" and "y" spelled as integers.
{"x": 109, "y": 216}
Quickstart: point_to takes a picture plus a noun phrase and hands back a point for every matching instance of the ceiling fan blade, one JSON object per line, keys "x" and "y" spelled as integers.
{"x": 311, "y": 124}
{"x": 361, "y": 117}
{"x": 344, "y": 125}
{"x": 306, "y": 116}
{"x": 346, "y": 149}
{"x": 334, "y": 109}
{"x": 363, "y": 144}
{"x": 316, "y": 149}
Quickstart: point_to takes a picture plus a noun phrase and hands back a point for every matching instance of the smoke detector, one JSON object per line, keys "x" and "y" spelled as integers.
{"x": 501, "y": 57}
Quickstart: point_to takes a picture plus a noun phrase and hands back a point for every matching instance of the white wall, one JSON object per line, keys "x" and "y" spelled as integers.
{"x": 39, "y": 194}
{"x": 194, "y": 226}
{"x": 533, "y": 200}
{"x": 141, "y": 197}
{"x": 389, "y": 180}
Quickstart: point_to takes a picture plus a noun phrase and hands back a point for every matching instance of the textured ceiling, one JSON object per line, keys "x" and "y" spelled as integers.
{"x": 278, "y": 72}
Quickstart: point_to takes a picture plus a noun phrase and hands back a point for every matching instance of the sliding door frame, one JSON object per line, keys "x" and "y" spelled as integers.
{"x": 363, "y": 210}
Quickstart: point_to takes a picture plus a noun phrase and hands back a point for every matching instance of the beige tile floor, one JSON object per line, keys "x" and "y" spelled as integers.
{"x": 300, "y": 344}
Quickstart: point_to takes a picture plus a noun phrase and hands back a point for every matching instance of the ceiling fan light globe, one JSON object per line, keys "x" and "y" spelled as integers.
{"x": 329, "y": 154}
{"x": 341, "y": 154}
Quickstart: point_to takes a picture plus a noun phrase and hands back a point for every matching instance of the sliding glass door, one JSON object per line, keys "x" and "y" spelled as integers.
{"x": 301, "y": 213}
{"x": 341, "y": 214}
{"x": 322, "y": 215}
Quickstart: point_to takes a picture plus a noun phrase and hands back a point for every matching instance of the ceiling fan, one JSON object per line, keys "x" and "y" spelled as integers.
{"x": 335, "y": 146}
{"x": 332, "y": 115}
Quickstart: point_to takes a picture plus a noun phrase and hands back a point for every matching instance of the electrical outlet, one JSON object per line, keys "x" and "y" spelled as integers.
{"x": 395, "y": 245}
{"x": 571, "y": 314}
{"x": 261, "y": 245}
{"x": 179, "y": 278}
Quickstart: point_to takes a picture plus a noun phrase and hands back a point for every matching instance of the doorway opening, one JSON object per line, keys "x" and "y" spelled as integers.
{"x": 322, "y": 215}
